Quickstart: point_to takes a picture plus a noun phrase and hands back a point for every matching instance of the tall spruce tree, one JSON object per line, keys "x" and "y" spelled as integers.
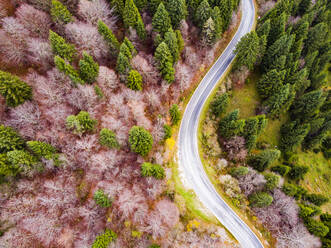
{"x": 316, "y": 38}
{"x": 291, "y": 135}
{"x": 161, "y": 21}
{"x": 208, "y": 32}
{"x": 177, "y": 11}
{"x": 88, "y": 68}
{"x": 118, "y": 5}
{"x": 59, "y": 13}
{"x": 230, "y": 125}
{"x": 165, "y": 61}
{"x": 132, "y": 18}
{"x": 217, "y": 18}
{"x": 270, "y": 83}
{"x": 226, "y": 13}
{"x": 109, "y": 37}
{"x": 67, "y": 69}
{"x": 277, "y": 29}
{"x": 61, "y": 47}
{"x": 264, "y": 159}
{"x": 202, "y": 13}
{"x": 170, "y": 38}
{"x": 122, "y": 64}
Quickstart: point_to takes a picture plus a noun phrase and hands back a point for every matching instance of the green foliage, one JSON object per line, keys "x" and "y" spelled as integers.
{"x": 118, "y": 5}
{"x": 102, "y": 199}
{"x": 135, "y": 80}
{"x": 125, "y": 50}
{"x": 230, "y": 126}
{"x": 272, "y": 181}
{"x": 61, "y": 47}
{"x": 88, "y": 68}
{"x": 316, "y": 199}
{"x": 226, "y": 13}
{"x": 81, "y": 123}
{"x": 67, "y": 69}
{"x": 59, "y": 12}
{"x": 141, "y": 4}
{"x": 253, "y": 127}
{"x": 208, "y": 32}
{"x": 167, "y": 131}
{"x": 10, "y": 139}
{"x": 170, "y": 38}
{"x": 177, "y": 11}
{"x": 298, "y": 171}
{"x": 307, "y": 211}
{"x": 108, "y": 139}
{"x": 152, "y": 170}
{"x": 292, "y": 190}
{"x": 316, "y": 228}
{"x": 264, "y": 29}
{"x": 109, "y": 37}
{"x": 103, "y": 240}
{"x": 174, "y": 114}
{"x": 6, "y": 169}
{"x": 317, "y": 36}
{"x": 238, "y": 171}
{"x": 153, "y": 5}
{"x": 247, "y": 50}
{"x": 202, "y": 13}
{"x": 260, "y": 199}
{"x": 13, "y": 89}
{"x": 154, "y": 246}
{"x": 41, "y": 149}
{"x": 304, "y": 7}
{"x": 132, "y": 18}
{"x": 264, "y": 159}
{"x": 140, "y": 140}
{"x": 21, "y": 160}
{"x": 292, "y": 135}
{"x": 140, "y": 27}
{"x": 270, "y": 83}
{"x": 165, "y": 61}
{"x": 122, "y": 64}
{"x": 217, "y": 18}
{"x": 282, "y": 170}
{"x": 161, "y": 21}
{"x": 278, "y": 25}
{"x": 180, "y": 41}
{"x": 98, "y": 91}
{"x": 219, "y": 104}
{"x": 129, "y": 44}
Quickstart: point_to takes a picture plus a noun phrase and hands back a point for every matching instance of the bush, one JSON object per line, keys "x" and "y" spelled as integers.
{"x": 298, "y": 171}
{"x": 264, "y": 159}
{"x": 230, "y": 126}
{"x": 135, "y": 80}
{"x": 152, "y": 170}
{"x": 59, "y": 12}
{"x": 282, "y": 170}
{"x": 88, "y": 68}
{"x": 174, "y": 114}
{"x": 81, "y": 123}
{"x": 98, "y": 91}
{"x": 5, "y": 168}
{"x": 10, "y": 139}
{"x": 20, "y": 160}
{"x": 239, "y": 171}
{"x": 154, "y": 246}
{"x": 103, "y": 240}
{"x": 316, "y": 199}
{"x": 219, "y": 104}
{"x": 140, "y": 140}
{"x": 61, "y": 47}
{"x": 316, "y": 228}
{"x": 167, "y": 132}
{"x": 308, "y": 211}
{"x": 102, "y": 199}
{"x": 292, "y": 190}
{"x": 13, "y": 89}
{"x": 272, "y": 181}
{"x": 41, "y": 149}
{"x": 108, "y": 139}
{"x": 260, "y": 199}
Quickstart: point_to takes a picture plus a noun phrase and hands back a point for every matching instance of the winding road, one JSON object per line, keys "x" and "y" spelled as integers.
{"x": 188, "y": 154}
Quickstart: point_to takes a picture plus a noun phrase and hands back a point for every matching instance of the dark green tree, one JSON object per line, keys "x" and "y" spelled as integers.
{"x": 10, "y": 139}
{"x": 297, "y": 172}
{"x": 282, "y": 170}
{"x": 316, "y": 199}
{"x": 208, "y": 33}
{"x": 264, "y": 159}
{"x": 202, "y": 13}
{"x": 122, "y": 64}
{"x": 260, "y": 199}
{"x": 140, "y": 140}
{"x": 161, "y": 21}
{"x": 59, "y": 12}
{"x": 170, "y": 38}
{"x": 165, "y": 62}
{"x": 135, "y": 80}
{"x": 109, "y": 37}
{"x": 230, "y": 126}
{"x": 67, "y": 69}
{"x": 264, "y": 29}
{"x": 61, "y": 47}
{"x": 131, "y": 47}
{"x": 219, "y": 104}
{"x": 125, "y": 50}
{"x": 270, "y": 83}
{"x": 304, "y": 7}
{"x": 88, "y": 68}
{"x": 118, "y": 5}
{"x": 13, "y": 89}
{"x": 180, "y": 41}
{"x": 177, "y": 11}
{"x": 21, "y": 161}
{"x": 292, "y": 134}
{"x": 238, "y": 171}
{"x": 272, "y": 181}
{"x": 253, "y": 127}
{"x": 277, "y": 29}
{"x": 167, "y": 131}
{"x": 153, "y": 5}
{"x": 81, "y": 123}
{"x": 226, "y": 13}
{"x": 316, "y": 228}
{"x": 317, "y": 36}
{"x": 152, "y": 170}
{"x": 102, "y": 199}
{"x": 301, "y": 30}
{"x": 293, "y": 190}
{"x": 174, "y": 114}
{"x": 217, "y": 18}
{"x": 41, "y": 149}
{"x": 141, "y": 4}
{"x": 132, "y": 18}
{"x": 108, "y": 138}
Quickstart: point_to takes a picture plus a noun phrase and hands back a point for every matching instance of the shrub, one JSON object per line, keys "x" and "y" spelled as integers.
{"x": 282, "y": 170}
{"x": 5, "y": 168}
{"x": 20, "y": 160}
{"x": 59, "y": 12}
{"x": 308, "y": 211}
{"x": 135, "y": 80}
{"x": 103, "y": 240}
{"x": 61, "y": 47}
{"x": 316, "y": 228}
{"x": 239, "y": 171}
{"x": 174, "y": 114}
{"x": 167, "y": 132}
{"x": 88, "y": 68}
{"x": 230, "y": 126}
{"x": 81, "y": 123}
{"x": 272, "y": 181}
{"x": 152, "y": 170}
{"x": 13, "y": 89}
{"x": 264, "y": 159}
{"x": 108, "y": 138}
{"x": 41, "y": 149}
{"x": 260, "y": 199}
{"x": 298, "y": 171}
{"x": 219, "y": 104}
{"x": 98, "y": 91}
{"x": 10, "y": 139}
{"x": 316, "y": 199}
{"x": 102, "y": 199}
{"x": 293, "y": 190}
{"x": 140, "y": 140}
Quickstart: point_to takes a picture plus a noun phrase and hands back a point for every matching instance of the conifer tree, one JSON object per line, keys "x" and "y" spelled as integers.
{"x": 304, "y": 7}
{"x": 177, "y": 11}
{"x": 109, "y": 37}
{"x": 59, "y": 12}
{"x": 41, "y": 149}
{"x": 264, "y": 29}
{"x": 135, "y": 80}
{"x": 13, "y": 89}
{"x": 277, "y": 29}
{"x": 21, "y": 160}
{"x": 217, "y": 18}
{"x": 230, "y": 126}
{"x": 317, "y": 36}
{"x": 264, "y": 159}
{"x": 174, "y": 114}
{"x": 81, "y": 123}
{"x": 202, "y": 13}
{"x": 125, "y": 50}
{"x": 180, "y": 41}
{"x": 153, "y": 5}
{"x": 170, "y": 38}
{"x": 67, "y": 69}
{"x": 219, "y": 104}
{"x": 165, "y": 61}
{"x": 131, "y": 47}
{"x": 61, "y": 47}
{"x": 140, "y": 28}
{"x": 132, "y": 18}
{"x": 10, "y": 140}
{"x": 247, "y": 50}
{"x": 226, "y": 13}
{"x": 301, "y": 30}
{"x": 141, "y": 4}
{"x": 122, "y": 64}
{"x": 108, "y": 139}
{"x": 161, "y": 21}
{"x": 260, "y": 199}
{"x": 208, "y": 33}
{"x": 292, "y": 135}
{"x": 88, "y": 68}
{"x": 140, "y": 140}
{"x": 270, "y": 83}
{"x": 319, "y": 130}
{"x": 118, "y": 5}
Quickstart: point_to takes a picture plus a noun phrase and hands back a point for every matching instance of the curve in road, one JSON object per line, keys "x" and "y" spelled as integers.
{"x": 188, "y": 154}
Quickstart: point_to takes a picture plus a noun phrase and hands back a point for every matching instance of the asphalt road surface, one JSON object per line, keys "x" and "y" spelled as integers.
{"x": 188, "y": 154}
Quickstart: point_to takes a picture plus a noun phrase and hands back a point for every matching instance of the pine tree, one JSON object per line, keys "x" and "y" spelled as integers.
{"x": 161, "y": 21}
{"x": 132, "y": 18}
{"x": 260, "y": 199}
{"x": 10, "y": 140}
{"x": 272, "y": 181}
{"x": 59, "y": 12}
{"x": 253, "y": 127}
{"x": 217, "y": 18}
{"x": 165, "y": 62}
{"x": 180, "y": 41}
{"x": 301, "y": 30}
{"x": 264, "y": 29}
{"x": 140, "y": 140}
{"x": 170, "y": 38}
{"x": 319, "y": 130}
{"x": 153, "y": 5}
{"x": 277, "y": 29}
{"x": 108, "y": 139}
{"x": 307, "y": 105}
{"x": 230, "y": 126}
{"x": 102, "y": 199}
{"x": 219, "y": 104}
{"x": 141, "y": 4}
{"x": 152, "y": 170}
{"x": 21, "y": 160}
{"x": 129, "y": 44}
{"x": 264, "y": 159}
{"x": 67, "y": 69}
{"x": 192, "y": 6}
{"x": 177, "y": 11}
{"x": 174, "y": 114}
{"x": 135, "y": 80}
{"x": 122, "y": 64}
{"x": 292, "y": 135}
{"x": 118, "y": 5}
{"x": 316, "y": 38}
{"x": 125, "y": 50}
{"x": 140, "y": 27}
{"x": 13, "y": 89}
{"x": 208, "y": 33}
{"x": 88, "y": 68}
{"x": 202, "y": 13}
{"x": 247, "y": 50}
{"x": 270, "y": 83}
{"x": 109, "y": 37}
{"x": 61, "y": 47}
{"x": 41, "y": 149}
{"x": 226, "y": 13}
{"x": 103, "y": 240}
{"x": 81, "y": 123}
{"x": 304, "y": 7}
